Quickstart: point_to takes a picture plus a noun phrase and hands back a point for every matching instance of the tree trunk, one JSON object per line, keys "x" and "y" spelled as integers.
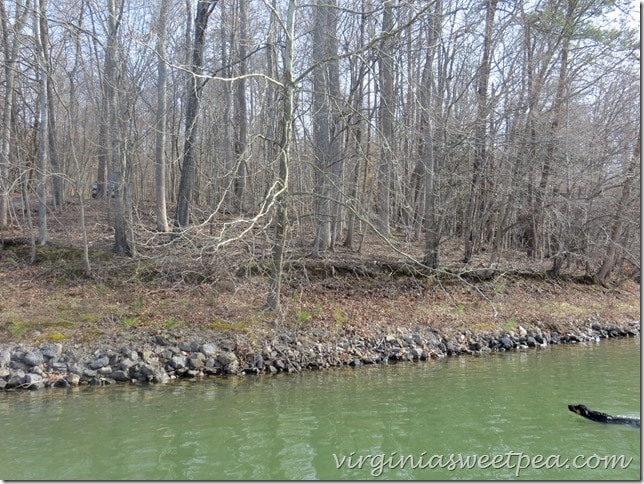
{"x": 10, "y": 64}
{"x": 186, "y": 185}
{"x": 115, "y": 142}
{"x": 476, "y": 199}
{"x": 40, "y": 7}
{"x": 281, "y": 187}
{"x": 161, "y": 119}
{"x": 326, "y": 147}
{"x": 386, "y": 111}
{"x": 241, "y": 114}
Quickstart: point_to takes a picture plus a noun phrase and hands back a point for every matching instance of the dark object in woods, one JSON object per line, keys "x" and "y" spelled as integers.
{"x": 584, "y": 411}
{"x": 111, "y": 189}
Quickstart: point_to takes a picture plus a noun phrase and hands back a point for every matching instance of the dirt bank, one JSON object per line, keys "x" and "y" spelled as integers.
{"x": 141, "y": 321}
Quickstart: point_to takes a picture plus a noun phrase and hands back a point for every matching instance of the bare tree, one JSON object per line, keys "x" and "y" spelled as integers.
{"x": 11, "y": 53}
{"x": 186, "y": 185}
{"x": 476, "y": 200}
{"x": 40, "y": 9}
{"x": 280, "y": 188}
{"x": 326, "y": 125}
{"x": 161, "y": 119}
{"x": 386, "y": 118}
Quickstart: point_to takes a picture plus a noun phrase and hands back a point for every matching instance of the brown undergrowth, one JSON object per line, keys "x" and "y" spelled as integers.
{"x": 193, "y": 282}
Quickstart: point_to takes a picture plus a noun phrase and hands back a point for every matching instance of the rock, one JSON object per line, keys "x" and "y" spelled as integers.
{"x": 522, "y": 331}
{"x": 5, "y": 358}
{"x": 185, "y": 346}
{"x": 232, "y": 367}
{"x": 52, "y": 350}
{"x": 160, "y": 376}
{"x": 16, "y": 378}
{"x": 126, "y": 364}
{"x": 130, "y": 354}
{"x": 33, "y": 358}
{"x": 120, "y": 375}
{"x": 506, "y": 343}
{"x": 147, "y": 355}
{"x": 162, "y": 340}
{"x": 33, "y": 381}
{"x": 227, "y": 358}
{"x": 87, "y": 373}
{"x": 178, "y": 362}
{"x": 73, "y": 379}
{"x": 105, "y": 370}
{"x": 531, "y": 341}
{"x": 100, "y": 362}
{"x": 166, "y": 354}
{"x": 208, "y": 349}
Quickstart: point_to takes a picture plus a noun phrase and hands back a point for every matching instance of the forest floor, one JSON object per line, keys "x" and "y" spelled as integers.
{"x": 211, "y": 281}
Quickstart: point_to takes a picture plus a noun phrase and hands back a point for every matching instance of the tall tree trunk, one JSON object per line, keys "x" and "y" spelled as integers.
{"x": 326, "y": 91}
{"x": 115, "y": 143}
{"x": 241, "y": 114}
{"x": 186, "y": 184}
{"x": 40, "y": 9}
{"x": 476, "y": 199}
{"x": 11, "y": 52}
{"x": 57, "y": 174}
{"x": 386, "y": 113}
{"x": 161, "y": 119}
{"x": 427, "y": 162}
{"x": 553, "y": 135}
{"x": 281, "y": 186}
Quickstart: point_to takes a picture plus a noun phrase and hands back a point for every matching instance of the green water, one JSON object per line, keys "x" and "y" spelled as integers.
{"x": 512, "y": 406}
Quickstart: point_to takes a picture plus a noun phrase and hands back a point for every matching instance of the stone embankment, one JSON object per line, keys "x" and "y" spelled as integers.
{"x": 161, "y": 358}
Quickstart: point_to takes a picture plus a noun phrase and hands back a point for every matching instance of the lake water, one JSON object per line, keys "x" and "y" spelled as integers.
{"x": 482, "y": 417}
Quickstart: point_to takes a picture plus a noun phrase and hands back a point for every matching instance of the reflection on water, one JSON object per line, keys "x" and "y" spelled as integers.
{"x": 300, "y": 426}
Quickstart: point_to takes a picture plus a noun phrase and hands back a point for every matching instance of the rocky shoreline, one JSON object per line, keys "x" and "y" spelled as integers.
{"x": 160, "y": 358}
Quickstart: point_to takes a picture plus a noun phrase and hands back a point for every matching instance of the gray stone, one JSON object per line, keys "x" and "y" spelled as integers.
{"x": 166, "y": 354}
{"x": 160, "y": 376}
{"x": 100, "y": 362}
{"x": 52, "y": 350}
{"x": 105, "y": 370}
{"x": 232, "y": 367}
{"x": 179, "y": 362}
{"x": 208, "y": 349}
{"x": 147, "y": 370}
{"x": 16, "y": 378}
{"x": 196, "y": 363}
{"x": 162, "y": 340}
{"x": 120, "y": 375}
{"x": 147, "y": 356}
{"x": 506, "y": 343}
{"x": 5, "y": 358}
{"x": 227, "y": 358}
{"x": 34, "y": 381}
{"x": 130, "y": 354}
{"x": 33, "y": 358}
{"x": 89, "y": 373}
{"x": 185, "y": 346}
{"x": 531, "y": 342}
{"x": 73, "y": 379}
{"x": 126, "y": 364}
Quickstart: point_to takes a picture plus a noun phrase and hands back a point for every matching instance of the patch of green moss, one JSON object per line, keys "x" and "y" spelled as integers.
{"x": 18, "y": 329}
